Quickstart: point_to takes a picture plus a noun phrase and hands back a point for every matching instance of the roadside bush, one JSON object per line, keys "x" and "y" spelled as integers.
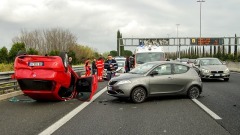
{"x": 6, "y": 67}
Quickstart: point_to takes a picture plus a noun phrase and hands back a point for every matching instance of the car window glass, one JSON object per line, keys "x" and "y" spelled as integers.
{"x": 179, "y": 69}
{"x": 142, "y": 69}
{"x": 163, "y": 69}
{"x": 121, "y": 63}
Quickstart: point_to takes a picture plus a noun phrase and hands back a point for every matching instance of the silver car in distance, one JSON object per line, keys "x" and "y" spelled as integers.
{"x": 155, "y": 79}
{"x": 211, "y": 68}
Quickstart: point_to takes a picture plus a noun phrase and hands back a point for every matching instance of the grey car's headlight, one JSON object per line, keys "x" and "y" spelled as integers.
{"x": 124, "y": 82}
{"x": 226, "y": 71}
{"x": 205, "y": 71}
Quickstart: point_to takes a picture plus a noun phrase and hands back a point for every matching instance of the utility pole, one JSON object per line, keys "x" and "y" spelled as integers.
{"x": 178, "y": 48}
{"x": 200, "y": 1}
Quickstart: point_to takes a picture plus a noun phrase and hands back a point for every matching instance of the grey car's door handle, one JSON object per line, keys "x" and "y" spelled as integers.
{"x": 170, "y": 77}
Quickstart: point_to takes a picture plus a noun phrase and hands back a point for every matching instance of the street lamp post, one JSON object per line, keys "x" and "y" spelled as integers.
{"x": 200, "y": 1}
{"x": 178, "y": 48}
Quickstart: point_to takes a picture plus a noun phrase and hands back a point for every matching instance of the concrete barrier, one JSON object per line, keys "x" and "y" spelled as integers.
{"x": 233, "y": 66}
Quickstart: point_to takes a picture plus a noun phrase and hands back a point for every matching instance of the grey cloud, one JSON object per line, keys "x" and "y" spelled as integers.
{"x": 96, "y": 22}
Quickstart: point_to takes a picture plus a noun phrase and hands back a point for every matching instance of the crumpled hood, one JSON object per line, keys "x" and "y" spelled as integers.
{"x": 215, "y": 67}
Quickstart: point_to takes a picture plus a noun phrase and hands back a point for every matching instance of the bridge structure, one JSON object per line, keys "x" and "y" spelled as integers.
{"x": 228, "y": 45}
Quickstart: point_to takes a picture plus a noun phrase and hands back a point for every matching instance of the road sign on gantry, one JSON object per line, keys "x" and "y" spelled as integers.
{"x": 207, "y": 41}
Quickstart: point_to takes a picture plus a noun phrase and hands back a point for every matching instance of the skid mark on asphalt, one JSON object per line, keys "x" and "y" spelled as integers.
{"x": 211, "y": 113}
{"x": 70, "y": 115}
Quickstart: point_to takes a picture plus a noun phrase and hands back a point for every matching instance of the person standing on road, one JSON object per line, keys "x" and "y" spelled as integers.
{"x": 127, "y": 65}
{"x": 100, "y": 68}
{"x": 111, "y": 65}
{"x": 132, "y": 61}
{"x": 94, "y": 67}
{"x": 70, "y": 61}
{"x": 87, "y": 67}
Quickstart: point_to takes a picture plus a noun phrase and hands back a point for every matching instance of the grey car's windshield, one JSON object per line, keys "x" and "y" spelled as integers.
{"x": 205, "y": 62}
{"x": 142, "y": 69}
{"x": 148, "y": 57}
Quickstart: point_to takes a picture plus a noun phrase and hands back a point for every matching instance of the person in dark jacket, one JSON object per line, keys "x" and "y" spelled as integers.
{"x": 94, "y": 67}
{"x": 127, "y": 65}
{"x": 111, "y": 65}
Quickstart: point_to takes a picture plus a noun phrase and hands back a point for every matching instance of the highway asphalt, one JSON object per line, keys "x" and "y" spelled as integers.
{"x": 109, "y": 115}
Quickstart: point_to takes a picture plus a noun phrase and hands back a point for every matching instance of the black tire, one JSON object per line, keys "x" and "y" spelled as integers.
{"x": 138, "y": 95}
{"x": 193, "y": 92}
{"x": 21, "y": 52}
{"x": 203, "y": 79}
{"x": 64, "y": 58}
{"x": 226, "y": 79}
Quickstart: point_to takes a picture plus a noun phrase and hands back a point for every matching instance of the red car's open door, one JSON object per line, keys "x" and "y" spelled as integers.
{"x": 86, "y": 87}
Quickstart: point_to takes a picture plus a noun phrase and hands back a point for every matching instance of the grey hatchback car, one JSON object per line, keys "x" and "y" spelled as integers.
{"x": 155, "y": 79}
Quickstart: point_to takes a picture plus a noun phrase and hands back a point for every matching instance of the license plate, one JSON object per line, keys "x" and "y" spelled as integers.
{"x": 109, "y": 88}
{"x": 217, "y": 75}
{"x": 33, "y": 64}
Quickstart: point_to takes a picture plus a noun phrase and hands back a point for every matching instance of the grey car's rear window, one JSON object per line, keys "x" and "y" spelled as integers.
{"x": 179, "y": 69}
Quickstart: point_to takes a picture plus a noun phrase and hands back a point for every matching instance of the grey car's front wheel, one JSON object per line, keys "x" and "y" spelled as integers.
{"x": 138, "y": 95}
{"x": 194, "y": 92}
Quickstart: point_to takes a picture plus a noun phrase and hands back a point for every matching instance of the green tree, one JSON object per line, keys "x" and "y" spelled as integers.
{"x": 15, "y": 49}
{"x": 3, "y": 55}
{"x": 211, "y": 50}
{"x": 121, "y": 47}
{"x": 32, "y": 51}
{"x": 120, "y": 42}
{"x": 105, "y": 54}
{"x": 214, "y": 50}
{"x": 235, "y": 47}
{"x": 127, "y": 53}
{"x": 54, "y": 53}
{"x": 114, "y": 53}
{"x": 203, "y": 51}
{"x": 229, "y": 46}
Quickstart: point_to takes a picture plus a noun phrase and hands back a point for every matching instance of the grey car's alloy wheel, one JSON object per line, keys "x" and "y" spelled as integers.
{"x": 193, "y": 92}
{"x": 138, "y": 95}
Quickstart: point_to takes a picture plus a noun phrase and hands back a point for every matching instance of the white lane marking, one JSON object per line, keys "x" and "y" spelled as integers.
{"x": 211, "y": 113}
{"x": 70, "y": 115}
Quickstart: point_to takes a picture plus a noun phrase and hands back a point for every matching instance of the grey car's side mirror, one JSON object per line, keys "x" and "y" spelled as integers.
{"x": 197, "y": 65}
{"x": 154, "y": 73}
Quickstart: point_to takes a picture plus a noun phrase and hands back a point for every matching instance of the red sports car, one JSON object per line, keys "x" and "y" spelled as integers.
{"x": 52, "y": 78}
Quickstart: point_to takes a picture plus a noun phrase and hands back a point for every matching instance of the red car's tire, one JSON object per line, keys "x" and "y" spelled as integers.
{"x": 21, "y": 52}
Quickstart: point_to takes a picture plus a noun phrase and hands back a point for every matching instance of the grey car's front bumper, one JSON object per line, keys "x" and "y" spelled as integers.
{"x": 123, "y": 90}
{"x": 215, "y": 75}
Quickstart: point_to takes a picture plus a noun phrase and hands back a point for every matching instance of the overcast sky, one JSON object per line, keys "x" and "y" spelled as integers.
{"x": 95, "y": 22}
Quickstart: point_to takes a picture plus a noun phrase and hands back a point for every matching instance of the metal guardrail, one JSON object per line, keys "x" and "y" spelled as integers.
{"x": 7, "y": 84}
